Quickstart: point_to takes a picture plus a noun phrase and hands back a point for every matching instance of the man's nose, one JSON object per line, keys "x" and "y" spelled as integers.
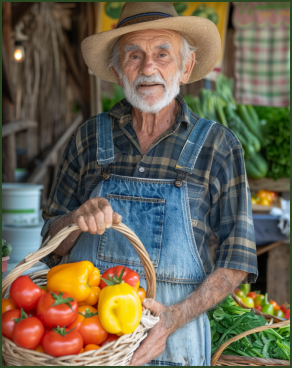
{"x": 148, "y": 66}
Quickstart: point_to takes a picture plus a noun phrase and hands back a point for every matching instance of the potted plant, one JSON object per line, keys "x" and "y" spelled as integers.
{"x": 6, "y": 250}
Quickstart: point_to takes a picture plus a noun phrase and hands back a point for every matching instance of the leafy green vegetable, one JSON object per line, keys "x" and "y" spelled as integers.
{"x": 6, "y": 248}
{"x": 276, "y": 123}
{"x": 228, "y": 320}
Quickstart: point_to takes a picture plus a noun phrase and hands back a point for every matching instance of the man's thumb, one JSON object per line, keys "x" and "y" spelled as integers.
{"x": 117, "y": 218}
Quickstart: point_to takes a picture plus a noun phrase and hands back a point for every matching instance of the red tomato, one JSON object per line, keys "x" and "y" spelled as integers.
{"x": 28, "y": 333}
{"x": 58, "y": 342}
{"x": 24, "y": 293}
{"x": 8, "y": 322}
{"x": 285, "y": 308}
{"x": 128, "y": 276}
{"x": 59, "y": 315}
{"x": 109, "y": 338}
{"x": 258, "y": 307}
{"x": 89, "y": 326}
{"x": 252, "y": 294}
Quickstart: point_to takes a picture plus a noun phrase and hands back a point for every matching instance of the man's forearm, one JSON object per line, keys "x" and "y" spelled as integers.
{"x": 215, "y": 288}
{"x": 64, "y": 248}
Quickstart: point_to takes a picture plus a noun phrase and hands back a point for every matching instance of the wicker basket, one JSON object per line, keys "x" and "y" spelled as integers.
{"x": 118, "y": 352}
{"x": 234, "y": 360}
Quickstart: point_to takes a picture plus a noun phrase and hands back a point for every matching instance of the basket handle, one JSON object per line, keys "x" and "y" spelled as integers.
{"x": 219, "y": 351}
{"x": 52, "y": 243}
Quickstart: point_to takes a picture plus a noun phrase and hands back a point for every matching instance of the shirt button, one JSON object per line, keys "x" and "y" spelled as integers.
{"x": 141, "y": 169}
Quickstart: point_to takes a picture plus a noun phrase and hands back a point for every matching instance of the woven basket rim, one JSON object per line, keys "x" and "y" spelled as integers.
{"x": 216, "y": 356}
{"x": 119, "y": 351}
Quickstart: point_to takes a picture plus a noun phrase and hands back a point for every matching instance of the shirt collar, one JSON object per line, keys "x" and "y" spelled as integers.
{"x": 123, "y": 112}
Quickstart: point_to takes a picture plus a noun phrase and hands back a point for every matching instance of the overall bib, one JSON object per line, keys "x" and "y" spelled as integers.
{"x": 158, "y": 213}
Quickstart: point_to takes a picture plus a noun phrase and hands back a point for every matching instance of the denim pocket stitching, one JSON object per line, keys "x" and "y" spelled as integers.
{"x": 139, "y": 199}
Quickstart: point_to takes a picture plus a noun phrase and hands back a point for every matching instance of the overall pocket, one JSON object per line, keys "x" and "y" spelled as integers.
{"x": 144, "y": 216}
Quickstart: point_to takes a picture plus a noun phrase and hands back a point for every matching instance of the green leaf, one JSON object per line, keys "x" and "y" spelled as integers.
{"x": 219, "y": 314}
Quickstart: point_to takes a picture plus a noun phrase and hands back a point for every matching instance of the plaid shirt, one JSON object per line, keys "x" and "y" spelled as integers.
{"x": 224, "y": 208}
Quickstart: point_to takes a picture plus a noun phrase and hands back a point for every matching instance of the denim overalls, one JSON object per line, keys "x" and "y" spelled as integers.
{"x": 158, "y": 212}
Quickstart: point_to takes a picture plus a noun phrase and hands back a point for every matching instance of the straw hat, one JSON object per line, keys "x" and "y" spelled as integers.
{"x": 199, "y": 32}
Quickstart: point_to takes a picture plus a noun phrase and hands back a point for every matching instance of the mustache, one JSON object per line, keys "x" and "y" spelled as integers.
{"x": 155, "y": 78}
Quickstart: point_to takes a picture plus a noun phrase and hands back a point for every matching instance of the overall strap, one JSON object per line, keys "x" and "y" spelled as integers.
{"x": 105, "y": 143}
{"x": 192, "y": 148}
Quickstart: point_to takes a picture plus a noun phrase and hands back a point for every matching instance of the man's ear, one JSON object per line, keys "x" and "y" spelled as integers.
{"x": 116, "y": 74}
{"x": 188, "y": 69}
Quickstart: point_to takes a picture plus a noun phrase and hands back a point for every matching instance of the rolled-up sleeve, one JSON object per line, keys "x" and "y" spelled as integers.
{"x": 231, "y": 217}
{"x": 63, "y": 197}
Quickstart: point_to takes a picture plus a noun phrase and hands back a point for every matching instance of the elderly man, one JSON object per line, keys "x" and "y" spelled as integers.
{"x": 172, "y": 176}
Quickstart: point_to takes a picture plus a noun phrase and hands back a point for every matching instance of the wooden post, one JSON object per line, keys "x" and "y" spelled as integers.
{"x": 8, "y": 144}
{"x": 278, "y": 274}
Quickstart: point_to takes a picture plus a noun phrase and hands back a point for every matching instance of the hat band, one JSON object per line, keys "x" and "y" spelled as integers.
{"x": 140, "y": 18}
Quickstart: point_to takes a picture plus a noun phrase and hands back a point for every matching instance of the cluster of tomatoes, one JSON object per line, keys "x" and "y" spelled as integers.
{"x": 254, "y": 299}
{"x": 264, "y": 197}
{"x": 51, "y": 322}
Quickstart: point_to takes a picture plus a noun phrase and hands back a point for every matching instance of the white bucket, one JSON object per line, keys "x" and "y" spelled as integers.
{"x": 21, "y": 203}
{"x": 24, "y": 240}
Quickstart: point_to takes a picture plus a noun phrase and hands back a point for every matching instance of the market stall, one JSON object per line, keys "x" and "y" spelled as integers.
{"x": 248, "y": 92}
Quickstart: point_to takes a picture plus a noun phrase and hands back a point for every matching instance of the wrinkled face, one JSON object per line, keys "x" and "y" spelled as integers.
{"x": 150, "y": 68}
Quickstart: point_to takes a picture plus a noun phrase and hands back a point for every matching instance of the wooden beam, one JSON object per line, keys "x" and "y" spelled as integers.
{"x": 278, "y": 186}
{"x": 7, "y": 85}
{"x": 8, "y": 144}
{"x": 39, "y": 171}
{"x": 71, "y": 60}
{"x": 266, "y": 248}
{"x": 278, "y": 274}
{"x": 17, "y": 126}
{"x": 18, "y": 12}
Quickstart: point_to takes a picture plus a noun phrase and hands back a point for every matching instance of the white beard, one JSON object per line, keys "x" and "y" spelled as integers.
{"x": 138, "y": 101}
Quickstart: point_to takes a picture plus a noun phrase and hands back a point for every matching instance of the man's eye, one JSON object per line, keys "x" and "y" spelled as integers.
{"x": 162, "y": 55}
{"x": 135, "y": 57}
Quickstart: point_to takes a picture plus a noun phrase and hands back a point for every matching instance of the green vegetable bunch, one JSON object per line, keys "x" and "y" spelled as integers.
{"x": 6, "y": 248}
{"x": 270, "y": 344}
{"x": 108, "y": 101}
{"x": 228, "y": 320}
{"x": 264, "y": 132}
{"x": 277, "y": 148}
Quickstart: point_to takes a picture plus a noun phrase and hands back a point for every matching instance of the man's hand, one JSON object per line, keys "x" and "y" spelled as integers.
{"x": 154, "y": 344}
{"x": 95, "y": 215}
{"x": 215, "y": 288}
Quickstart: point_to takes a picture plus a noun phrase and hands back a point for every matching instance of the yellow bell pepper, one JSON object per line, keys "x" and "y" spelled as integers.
{"x": 80, "y": 280}
{"x": 93, "y": 297}
{"x": 119, "y": 309}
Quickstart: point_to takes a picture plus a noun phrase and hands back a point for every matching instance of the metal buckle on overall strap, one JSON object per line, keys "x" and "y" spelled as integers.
{"x": 181, "y": 176}
{"x": 105, "y": 175}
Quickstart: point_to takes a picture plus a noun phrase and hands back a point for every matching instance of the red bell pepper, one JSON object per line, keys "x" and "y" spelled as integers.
{"x": 115, "y": 275}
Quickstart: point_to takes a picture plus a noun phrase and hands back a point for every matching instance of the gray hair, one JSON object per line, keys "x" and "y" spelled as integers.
{"x": 185, "y": 53}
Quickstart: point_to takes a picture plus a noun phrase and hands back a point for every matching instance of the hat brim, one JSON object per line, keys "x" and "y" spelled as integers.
{"x": 199, "y": 32}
